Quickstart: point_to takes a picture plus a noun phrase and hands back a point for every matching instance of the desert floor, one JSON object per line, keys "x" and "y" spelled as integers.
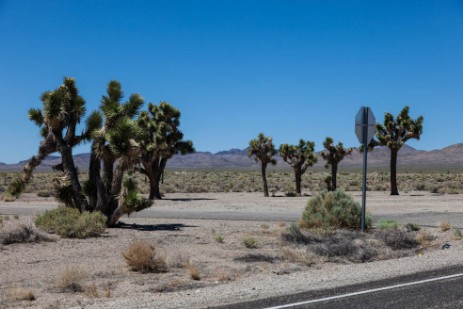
{"x": 204, "y": 233}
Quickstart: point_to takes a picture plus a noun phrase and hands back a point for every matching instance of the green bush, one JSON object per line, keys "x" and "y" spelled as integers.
{"x": 332, "y": 210}
{"x": 70, "y": 223}
{"x": 388, "y": 224}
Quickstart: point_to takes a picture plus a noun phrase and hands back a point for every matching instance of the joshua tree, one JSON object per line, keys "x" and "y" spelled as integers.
{"x": 115, "y": 146}
{"x": 62, "y": 110}
{"x": 160, "y": 141}
{"x": 114, "y": 141}
{"x": 299, "y": 157}
{"x": 393, "y": 134}
{"x": 263, "y": 150}
{"x": 333, "y": 154}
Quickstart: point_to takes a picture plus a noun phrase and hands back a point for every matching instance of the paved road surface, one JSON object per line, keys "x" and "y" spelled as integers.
{"x": 423, "y": 209}
{"x": 434, "y": 289}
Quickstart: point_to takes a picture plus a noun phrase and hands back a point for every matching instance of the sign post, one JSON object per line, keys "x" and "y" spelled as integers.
{"x": 365, "y": 130}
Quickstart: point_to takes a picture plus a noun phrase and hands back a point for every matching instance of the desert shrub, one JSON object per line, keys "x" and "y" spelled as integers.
{"x": 193, "y": 270}
{"x": 350, "y": 245}
{"x": 331, "y": 210}
{"x": 424, "y": 238}
{"x": 70, "y": 223}
{"x": 9, "y": 198}
{"x": 412, "y": 227}
{"x": 177, "y": 259}
{"x": 22, "y": 234}
{"x": 398, "y": 239}
{"x": 457, "y": 234}
{"x": 219, "y": 239}
{"x": 20, "y": 294}
{"x": 250, "y": 243}
{"x": 299, "y": 256}
{"x": 388, "y": 224}
{"x": 445, "y": 226}
{"x": 71, "y": 280}
{"x": 303, "y": 236}
{"x": 142, "y": 257}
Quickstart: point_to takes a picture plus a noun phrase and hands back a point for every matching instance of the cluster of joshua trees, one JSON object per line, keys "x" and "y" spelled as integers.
{"x": 393, "y": 133}
{"x": 126, "y": 140}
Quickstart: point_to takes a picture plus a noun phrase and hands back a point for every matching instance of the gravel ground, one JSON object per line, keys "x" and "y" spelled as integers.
{"x": 107, "y": 282}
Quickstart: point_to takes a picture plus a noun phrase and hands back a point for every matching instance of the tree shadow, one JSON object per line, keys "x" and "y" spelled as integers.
{"x": 153, "y": 227}
{"x": 188, "y": 199}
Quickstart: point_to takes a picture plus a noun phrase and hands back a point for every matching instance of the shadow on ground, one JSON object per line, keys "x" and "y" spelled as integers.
{"x": 188, "y": 199}
{"x": 153, "y": 227}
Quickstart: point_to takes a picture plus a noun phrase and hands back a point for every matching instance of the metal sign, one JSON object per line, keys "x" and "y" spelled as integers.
{"x": 365, "y": 130}
{"x": 366, "y": 118}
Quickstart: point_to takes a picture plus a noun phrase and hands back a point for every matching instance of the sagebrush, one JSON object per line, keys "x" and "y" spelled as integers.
{"x": 70, "y": 223}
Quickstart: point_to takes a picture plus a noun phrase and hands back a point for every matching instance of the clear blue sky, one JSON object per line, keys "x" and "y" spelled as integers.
{"x": 289, "y": 69}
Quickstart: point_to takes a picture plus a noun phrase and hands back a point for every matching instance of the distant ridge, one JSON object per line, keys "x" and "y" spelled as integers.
{"x": 450, "y": 156}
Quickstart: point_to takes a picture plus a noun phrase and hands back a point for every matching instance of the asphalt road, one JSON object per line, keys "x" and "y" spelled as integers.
{"x": 433, "y": 289}
{"x": 428, "y": 218}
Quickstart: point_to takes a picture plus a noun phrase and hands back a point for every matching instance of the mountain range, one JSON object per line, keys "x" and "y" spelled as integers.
{"x": 450, "y": 157}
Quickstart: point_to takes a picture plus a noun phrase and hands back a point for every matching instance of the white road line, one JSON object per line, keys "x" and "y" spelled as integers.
{"x": 365, "y": 292}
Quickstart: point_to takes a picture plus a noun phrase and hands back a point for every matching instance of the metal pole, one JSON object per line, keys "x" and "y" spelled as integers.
{"x": 365, "y": 150}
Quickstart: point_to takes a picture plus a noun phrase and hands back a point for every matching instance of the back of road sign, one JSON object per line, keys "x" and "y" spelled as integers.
{"x": 362, "y": 120}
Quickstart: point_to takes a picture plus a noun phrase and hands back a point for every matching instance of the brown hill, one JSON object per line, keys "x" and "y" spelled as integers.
{"x": 447, "y": 158}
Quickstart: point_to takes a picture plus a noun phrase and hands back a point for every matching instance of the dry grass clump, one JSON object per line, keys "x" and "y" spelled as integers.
{"x": 71, "y": 280}
{"x": 424, "y": 238}
{"x": 20, "y": 294}
{"x": 193, "y": 271}
{"x": 300, "y": 256}
{"x": 177, "y": 259}
{"x": 142, "y": 257}
{"x": 23, "y": 234}
{"x": 445, "y": 226}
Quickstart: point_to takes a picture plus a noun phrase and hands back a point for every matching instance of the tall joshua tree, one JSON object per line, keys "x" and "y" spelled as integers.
{"x": 160, "y": 141}
{"x": 113, "y": 141}
{"x": 263, "y": 150}
{"x": 62, "y": 110}
{"x": 333, "y": 154}
{"x": 300, "y": 157}
{"x": 115, "y": 146}
{"x": 394, "y": 133}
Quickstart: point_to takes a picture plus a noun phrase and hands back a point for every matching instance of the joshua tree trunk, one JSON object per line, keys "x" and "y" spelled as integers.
{"x": 298, "y": 175}
{"x": 334, "y": 172}
{"x": 264, "y": 179}
{"x": 154, "y": 172}
{"x": 98, "y": 198}
{"x": 394, "y": 153}
{"x": 78, "y": 199}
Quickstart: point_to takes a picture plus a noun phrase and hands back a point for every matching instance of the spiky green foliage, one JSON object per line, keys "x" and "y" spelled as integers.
{"x": 332, "y": 210}
{"x": 394, "y": 133}
{"x": 300, "y": 157}
{"x": 333, "y": 154}
{"x": 263, "y": 150}
{"x": 132, "y": 200}
{"x": 160, "y": 141}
